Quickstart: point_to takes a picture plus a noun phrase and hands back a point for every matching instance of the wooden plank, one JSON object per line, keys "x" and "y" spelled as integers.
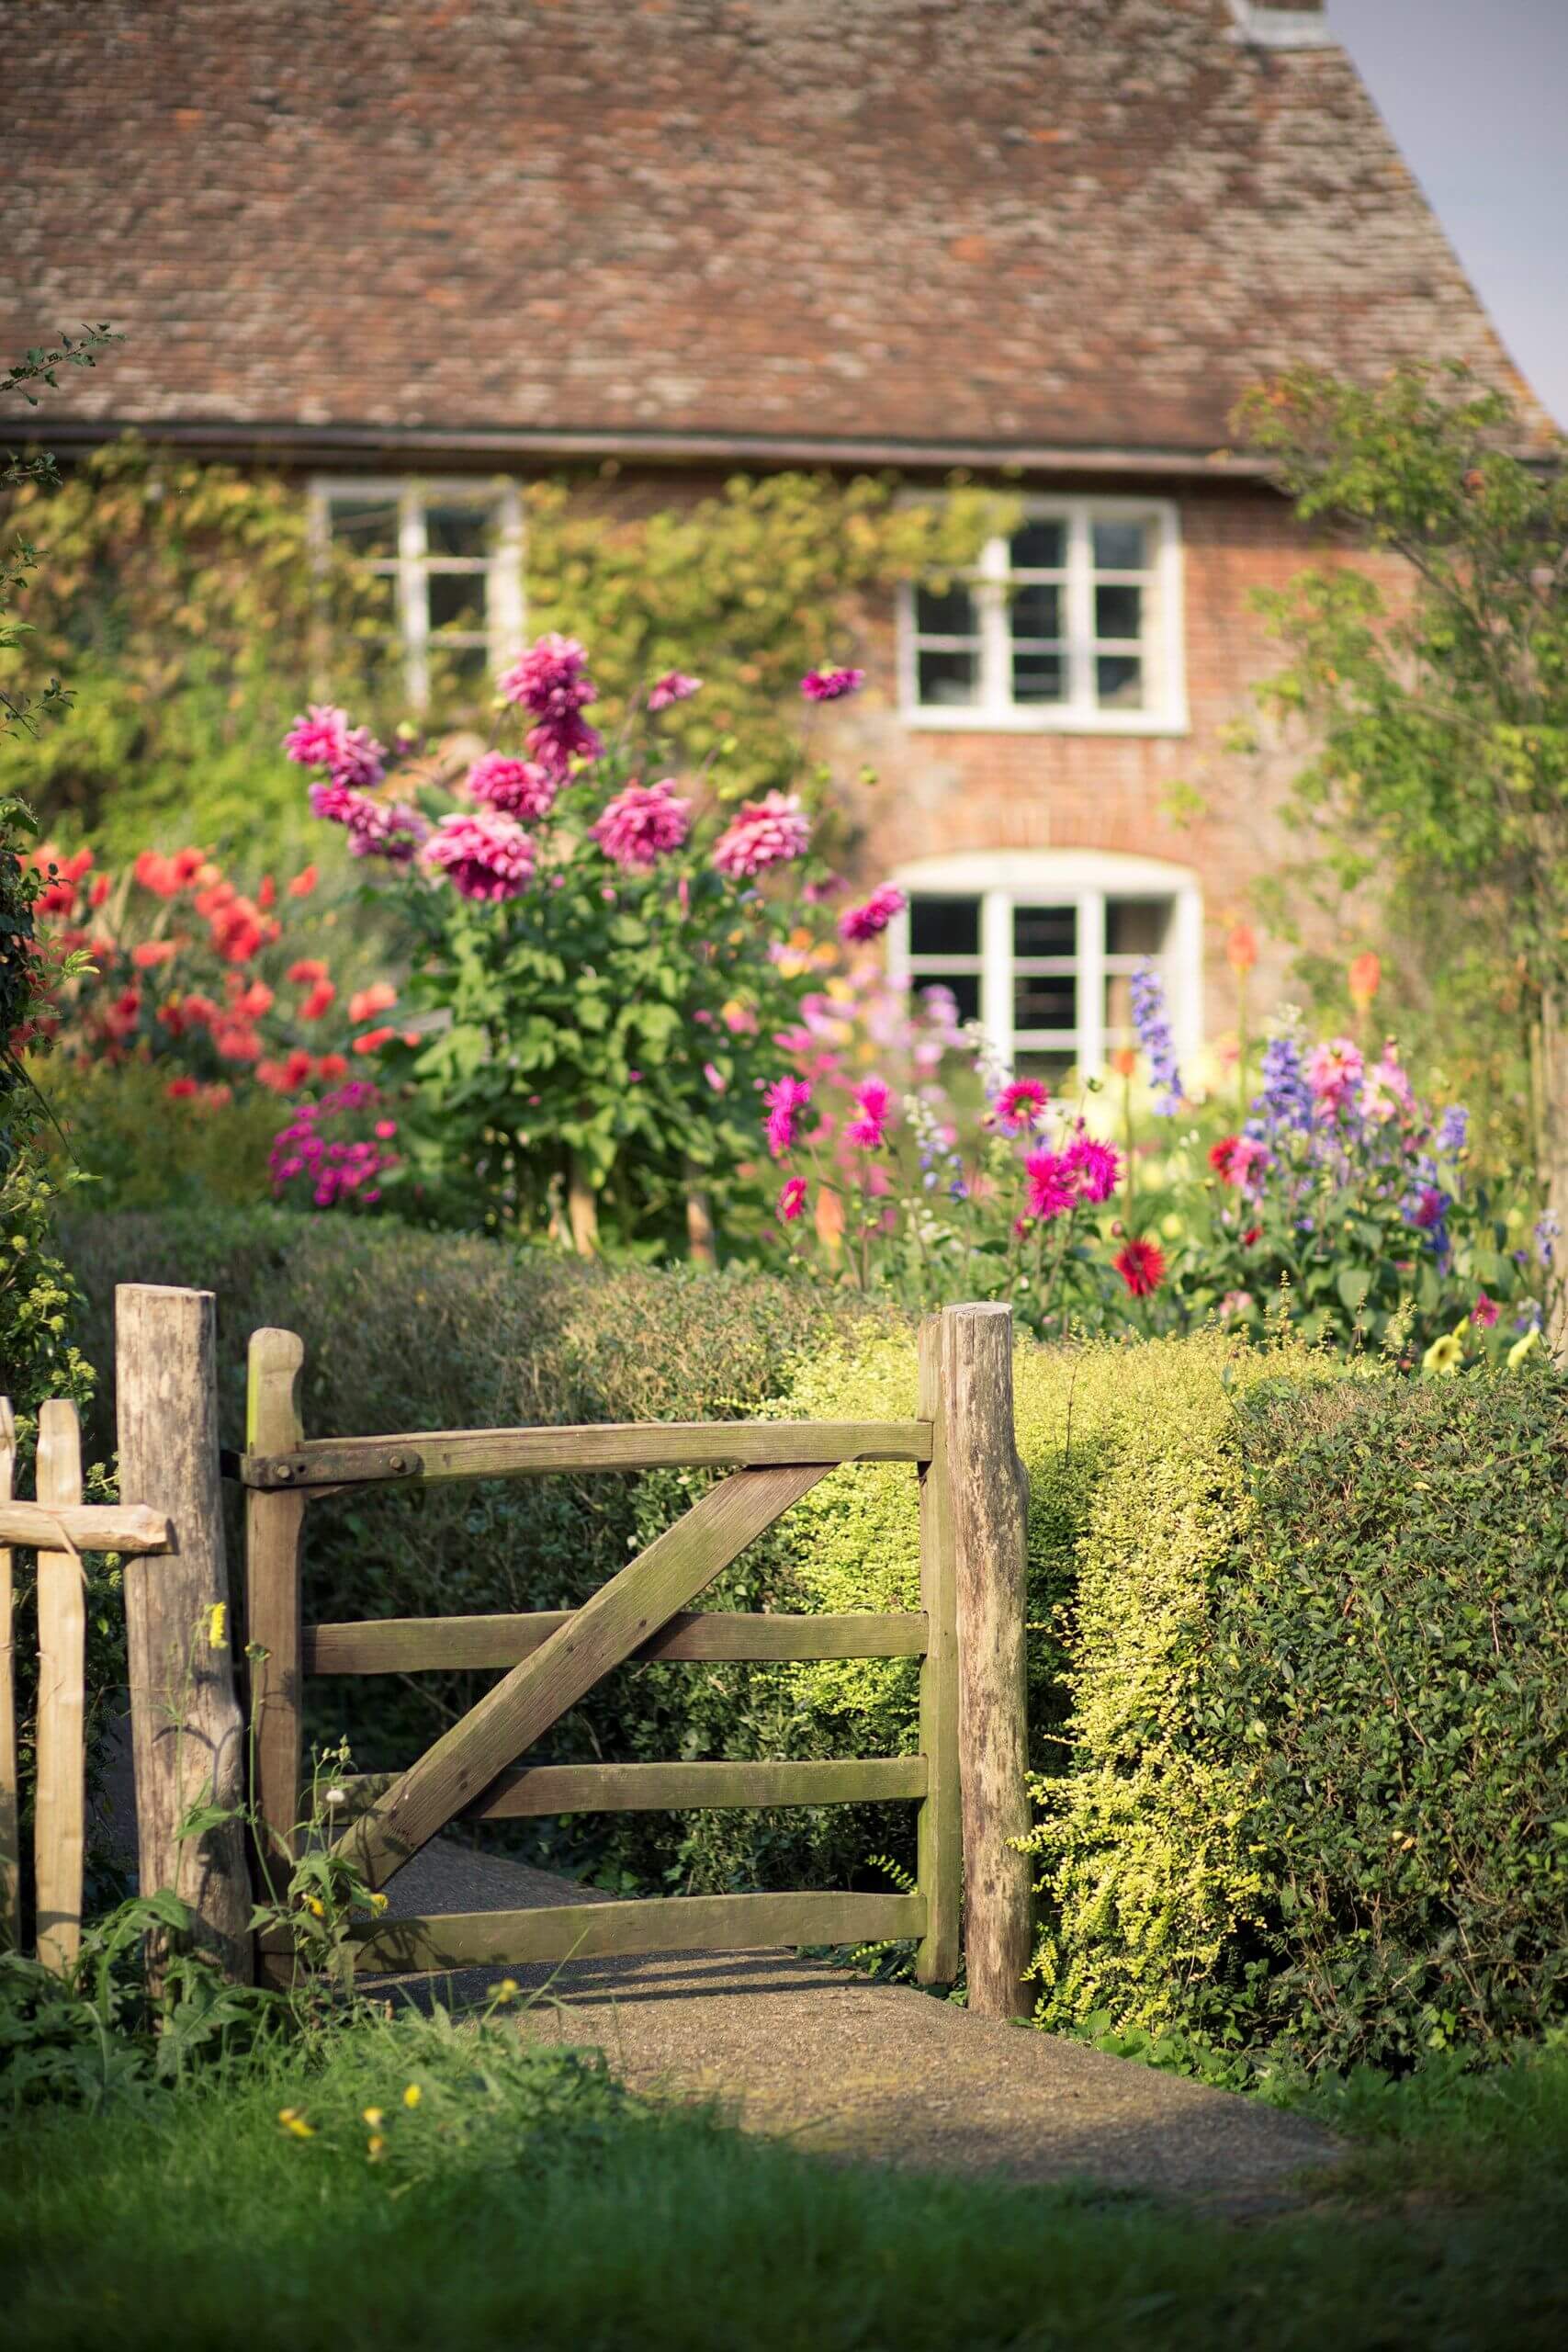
{"x": 662, "y": 1923}
{"x": 90, "y": 1526}
{"x": 10, "y": 1812}
{"x": 422, "y": 1644}
{"x": 525, "y": 1704}
{"x": 938, "y": 1827}
{"x": 990, "y": 1517}
{"x": 187, "y": 1734}
{"x": 272, "y": 1527}
{"x": 61, "y": 1800}
{"x": 631, "y": 1445}
{"x": 528, "y": 1790}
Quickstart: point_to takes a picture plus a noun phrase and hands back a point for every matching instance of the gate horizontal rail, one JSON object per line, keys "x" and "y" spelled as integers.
{"x": 528, "y": 1792}
{"x": 426, "y": 1644}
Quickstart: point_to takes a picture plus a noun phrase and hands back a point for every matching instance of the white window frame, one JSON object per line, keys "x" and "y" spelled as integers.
{"x": 1082, "y": 879}
{"x": 1162, "y": 645}
{"x": 413, "y": 565}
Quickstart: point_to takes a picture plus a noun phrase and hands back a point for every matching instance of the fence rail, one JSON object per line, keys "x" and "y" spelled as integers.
{"x": 190, "y": 1730}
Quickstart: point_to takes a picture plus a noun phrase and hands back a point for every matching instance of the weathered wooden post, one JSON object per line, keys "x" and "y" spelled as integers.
{"x": 187, "y": 1736}
{"x": 11, "y": 1823}
{"x": 938, "y": 1825}
{"x": 273, "y": 1519}
{"x": 989, "y": 1505}
{"x": 61, "y": 1797}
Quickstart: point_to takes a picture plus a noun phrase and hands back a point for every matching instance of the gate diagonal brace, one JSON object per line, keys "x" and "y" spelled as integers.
{"x": 601, "y": 1635}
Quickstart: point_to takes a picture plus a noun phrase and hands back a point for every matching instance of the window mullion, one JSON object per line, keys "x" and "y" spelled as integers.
{"x": 1080, "y": 612}
{"x": 505, "y": 596}
{"x": 996, "y": 972}
{"x": 1091, "y": 984}
{"x": 995, "y": 633}
{"x": 413, "y": 602}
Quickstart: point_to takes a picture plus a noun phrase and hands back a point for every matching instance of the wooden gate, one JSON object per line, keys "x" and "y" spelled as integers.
{"x": 967, "y": 1780}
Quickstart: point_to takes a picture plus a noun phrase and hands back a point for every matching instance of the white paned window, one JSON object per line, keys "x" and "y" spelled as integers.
{"x": 442, "y": 562}
{"x": 1074, "y": 623}
{"x": 1041, "y": 946}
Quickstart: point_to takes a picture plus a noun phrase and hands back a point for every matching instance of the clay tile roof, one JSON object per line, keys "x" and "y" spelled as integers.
{"x": 995, "y": 224}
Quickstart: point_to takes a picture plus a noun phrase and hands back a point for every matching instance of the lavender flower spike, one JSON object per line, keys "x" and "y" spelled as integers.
{"x": 1154, "y": 1035}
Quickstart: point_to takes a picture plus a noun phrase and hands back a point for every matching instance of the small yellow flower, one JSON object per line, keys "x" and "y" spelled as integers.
{"x": 506, "y": 1990}
{"x": 412, "y": 2096}
{"x": 375, "y": 2118}
{"x": 218, "y": 1626}
{"x": 1444, "y": 1355}
{"x": 1522, "y": 1348}
{"x": 315, "y": 1907}
{"x": 377, "y": 1904}
{"x": 374, "y": 2146}
{"x": 292, "y": 2120}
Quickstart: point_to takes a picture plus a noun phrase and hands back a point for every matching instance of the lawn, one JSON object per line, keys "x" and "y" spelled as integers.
{"x": 519, "y": 2197}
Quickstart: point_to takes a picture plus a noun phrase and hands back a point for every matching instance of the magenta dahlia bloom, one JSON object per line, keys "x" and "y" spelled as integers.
{"x": 385, "y": 828}
{"x": 549, "y": 680}
{"x": 792, "y": 1200}
{"x": 767, "y": 833}
{"x": 642, "y": 824}
{"x": 785, "y": 1099}
{"x": 322, "y": 738}
{"x": 673, "y": 686}
{"x": 1053, "y": 1185}
{"x": 868, "y": 1129}
{"x": 1020, "y": 1104}
{"x": 486, "y": 856}
{"x": 830, "y": 685}
{"x": 521, "y": 788}
{"x": 336, "y": 802}
{"x": 1096, "y": 1165}
{"x": 861, "y": 923}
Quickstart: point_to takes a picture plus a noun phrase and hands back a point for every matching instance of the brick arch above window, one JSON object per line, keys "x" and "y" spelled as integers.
{"x": 1040, "y": 946}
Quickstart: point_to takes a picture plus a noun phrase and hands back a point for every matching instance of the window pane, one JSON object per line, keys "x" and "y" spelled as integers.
{"x": 948, "y": 677}
{"x": 1038, "y": 677}
{"x": 373, "y": 600}
{"x": 363, "y": 526}
{"x": 1119, "y": 682}
{"x": 1040, "y": 546}
{"x": 1044, "y": 930}
{"x": 458, "y": 668}
{"x": 964, "y": 988}
{"x": 1053, "y": 1067}
{"x": 1120, "y": 546}
{"x": 945, "y": 612}
{"x": 944, "y": 926}
{"x": 1118, "y": 612}
{"x": 1136, "y": 926}
{"x": 1037, "y": 611}
{"x": 457, "y": 530}
{"x": 1039, "y": 1004}
{"x": 457, "y": 599}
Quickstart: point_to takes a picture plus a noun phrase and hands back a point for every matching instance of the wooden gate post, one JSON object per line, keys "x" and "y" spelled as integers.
{"x": 989, "y": 1503}
{"x": 274, "y": 1520}
{"x": 10, "y": 1822}
{"x": 186, "y": 1733}
{"x": 60, "y": 1797}
{"x": 938, "y": 1826}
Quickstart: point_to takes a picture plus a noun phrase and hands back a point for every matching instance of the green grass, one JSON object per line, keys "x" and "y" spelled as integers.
{"x": 525, "y": 2200}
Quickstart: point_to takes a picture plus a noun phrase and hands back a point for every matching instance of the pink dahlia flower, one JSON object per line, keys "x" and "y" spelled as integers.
{"x": 792, "y": 1200}
{"x": 767, "y": 833}
{"x": 549, "y": 680}
{"x": 673, "y": 686}
{"x": 484, "y": 857}
{"x": 1020, "y": 1105}
{"x": 385, "y": 828}
{"x": 519, "y": 788}
{"x": 785, "y": 1099}
{"x": 1096, "y": 1166}
{"x": 861, "y": 923}
{"x": 1335, "y": 1071}
{"x": 830, "y": 685}
{"x": 867, "y": 1131}
{"x": 642, "y": 824}
{"x": 323, "y": 739}
{"x": 1053, "y": 1185}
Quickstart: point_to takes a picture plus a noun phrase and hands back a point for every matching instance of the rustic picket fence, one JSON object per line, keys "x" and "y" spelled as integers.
{"x": 191, "y": 1736}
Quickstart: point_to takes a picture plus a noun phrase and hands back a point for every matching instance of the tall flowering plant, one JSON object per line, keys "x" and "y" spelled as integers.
{"x": 599, "y": 952}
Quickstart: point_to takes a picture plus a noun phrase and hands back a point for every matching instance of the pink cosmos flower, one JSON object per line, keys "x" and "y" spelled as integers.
{"x": 1387, "y": 1091}
{"x": 1020, "y": 1105}
{"x": 1483, "y": 1314}
{"x": 673, "y": 686}
{"x": 871, "y": 921}
{"x": 830, "y": 685}
{"x": 642, "y": 823}
{"x": 1335, "y": 1071}
{"x": 549, "y": 681}
{"x": 767, "y": 833}
{"x": 785, "y": 1100}
{"x": 322, "y": 738}
{"x": 867, "y": 1130}
{"x": 485, "y": 857}
{"x": 1096, "y": 1165}
{"x": 792, "y": 1200}
{"x": 715, "y": 1077}
{"x": 1053, "y": 1185}
{"x": 521, "y": 788}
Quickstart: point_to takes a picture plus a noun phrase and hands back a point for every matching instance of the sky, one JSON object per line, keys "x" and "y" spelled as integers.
{"x": 1476, "y": 94}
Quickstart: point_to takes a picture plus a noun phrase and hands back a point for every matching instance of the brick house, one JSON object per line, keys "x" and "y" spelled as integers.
{"x": 415, "y": 251}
